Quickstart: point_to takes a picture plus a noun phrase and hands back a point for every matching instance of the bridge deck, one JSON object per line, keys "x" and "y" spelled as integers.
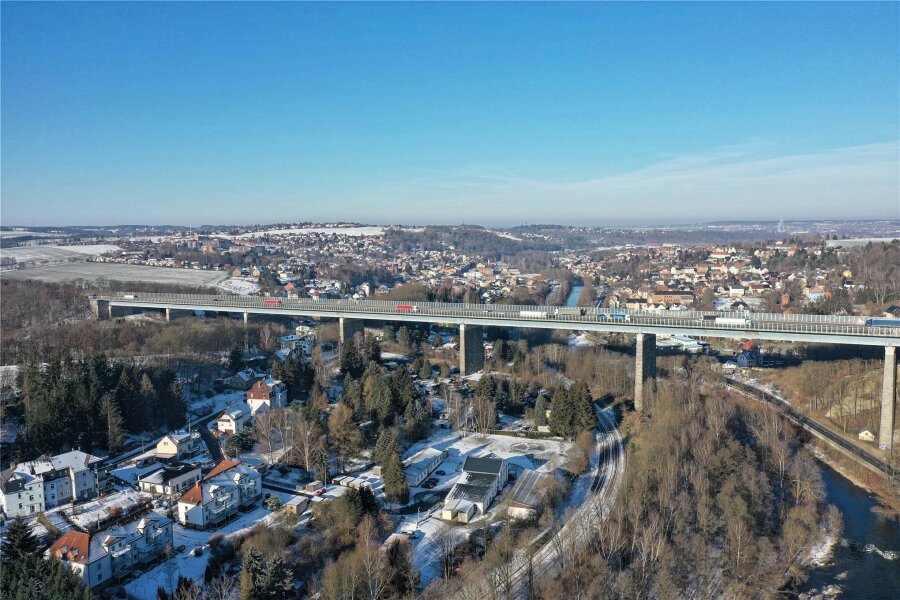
{"x": 824, "y": 329}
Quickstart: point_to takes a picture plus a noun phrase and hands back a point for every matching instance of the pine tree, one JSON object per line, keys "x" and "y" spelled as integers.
{"x": 425, "y": 371}
{"x": 383, "y": 446}
{"x": 19, "y": 542}
{"x": 562, "y": 414}
{"x": 277, "y": 581}
{"x": 115, "y": 432}
{"x": 390, "y": 334}
{"x": 320, "y": 462}
{"x": 404, "y": 579}
{"x": 540, "y": 412}
{"x": 252, "y": 574}
{"x": 583, "y": 405}
{"x": 395, "y": 487}
{"x": 236, "y": 360}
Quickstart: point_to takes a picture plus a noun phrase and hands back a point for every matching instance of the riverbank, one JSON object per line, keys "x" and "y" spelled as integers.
{"x": 861, "y": 564}
{"x": 860, "y": 476}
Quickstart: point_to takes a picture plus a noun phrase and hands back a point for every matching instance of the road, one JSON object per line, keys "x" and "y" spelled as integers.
{"x": 811, "y": 425}
{"x": 771, "y": 326}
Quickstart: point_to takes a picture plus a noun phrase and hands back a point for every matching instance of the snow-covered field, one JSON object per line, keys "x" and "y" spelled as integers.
{"x": 239, "y": 285}
{"x": 93, "y": 271}
{"x": 57, "y": 253}
{"x": 352, "y": 231}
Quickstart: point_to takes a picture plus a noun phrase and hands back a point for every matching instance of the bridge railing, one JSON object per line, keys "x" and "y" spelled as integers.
{"x": 763, "y": 322}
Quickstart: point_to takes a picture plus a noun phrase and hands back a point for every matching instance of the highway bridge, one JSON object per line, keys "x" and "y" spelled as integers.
{"x": 472, "y": 318}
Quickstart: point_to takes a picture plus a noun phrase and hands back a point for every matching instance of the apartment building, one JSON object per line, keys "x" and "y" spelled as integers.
{"x": 117, "y": 552}
{"x": 38, "y": 485}
{"x": 229, "y": 487}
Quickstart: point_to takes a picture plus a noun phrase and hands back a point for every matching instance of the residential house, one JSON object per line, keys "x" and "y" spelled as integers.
{"x": 266, "y": 394}
{"x": 229, "y": 487}
{"x": 115, "y": 553}
{"x": 169, "y": 480}
{"x": 244, "y": 380}
{"x": 234, "y": 418}
{"x": 37, "y": 485}
{"x": 179, "y": 445}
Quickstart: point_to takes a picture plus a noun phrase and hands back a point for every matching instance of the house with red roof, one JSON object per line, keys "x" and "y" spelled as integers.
{"x": 231, "y": 486}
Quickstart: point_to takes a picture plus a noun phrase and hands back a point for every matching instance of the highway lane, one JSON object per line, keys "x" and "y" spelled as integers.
{"x": 804, "y": 328}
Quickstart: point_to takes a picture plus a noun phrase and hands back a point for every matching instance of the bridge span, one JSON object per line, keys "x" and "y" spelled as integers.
{"x": 472, "y": 318}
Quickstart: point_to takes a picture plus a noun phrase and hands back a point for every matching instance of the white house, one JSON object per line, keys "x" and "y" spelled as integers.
{"x": 266, "y": 394}
{"x": 230, "y": 486}
{"x": 866, "y": 435}
{"x": 115, "y": 553}
{"x": 37, "y": 485}
{"x": 179, "y": 445}
{"x": 169, "y": 481}
{"x": 234, "y": 418}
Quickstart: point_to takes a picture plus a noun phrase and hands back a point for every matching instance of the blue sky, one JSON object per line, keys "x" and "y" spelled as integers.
{"x": 593, "y": 113}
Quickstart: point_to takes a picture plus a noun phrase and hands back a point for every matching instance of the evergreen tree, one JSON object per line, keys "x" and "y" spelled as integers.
{"x": 252, "y": 575}
{"x": 277, "y": 581}
{"x": 540, "y": 411}
{"x": 19, "y": 542}
{"x": 385, "y": 444}
{"x": 438, "y": 341}
{"x": 390, "y": 334}
{"x": 583, "y": 406}
{"x": 320, "y": 462}
{"x": 425, "y": 371}
{"x": 236, "y": 360}
{"x": 115, "y": 432}
{"x": 445, "y": 370}
{"x": 404, "y": 578}
{"x": 372, "y": 350}
{"x": 403, "y": 337}
{"x": 562, "y": 414}
{"x": 395, "y": 487}
{"x": 416, "y": 421}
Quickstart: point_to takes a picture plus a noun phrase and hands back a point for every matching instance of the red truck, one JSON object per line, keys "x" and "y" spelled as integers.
{"x": 406, "y": 307}
{"x": 271, "y": 302}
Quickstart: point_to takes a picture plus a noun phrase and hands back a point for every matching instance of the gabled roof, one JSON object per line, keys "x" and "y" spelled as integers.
{"x": 193, "y": 495}
{"x": 221, "y": 468}
{"x": 73, "y": 546}
{"x": 490, "y": 466}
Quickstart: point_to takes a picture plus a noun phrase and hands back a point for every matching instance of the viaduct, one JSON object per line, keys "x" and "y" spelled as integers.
{"x": 472, "y": 318}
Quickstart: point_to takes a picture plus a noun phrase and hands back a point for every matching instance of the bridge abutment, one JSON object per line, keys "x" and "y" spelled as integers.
{"x": 888, "y": 399}
{"x": 350, "y": 327}
{"x": 644, "y": 367}
{"x": 471, "y": 349}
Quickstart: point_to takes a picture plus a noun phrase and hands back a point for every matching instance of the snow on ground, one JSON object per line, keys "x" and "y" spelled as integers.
{"x": 10, "y": 428}
{"x": 393, "y": 356}
{"x": 504, "y": 234}
{"x": 89, "y": 513}
{"x": 129, "y": 474}
{"x": 166, "y": 574}
{"x": 581, "y": 338}
{"x": 353, "y": 231}
{"x": 93, "y": 271}
{"x": 239, "y": 285}
{"x": 58, "y": 253}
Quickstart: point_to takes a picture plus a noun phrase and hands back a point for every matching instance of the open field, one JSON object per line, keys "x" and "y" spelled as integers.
{"x": 57, "y": 254}
{"x": 93, "y": 271}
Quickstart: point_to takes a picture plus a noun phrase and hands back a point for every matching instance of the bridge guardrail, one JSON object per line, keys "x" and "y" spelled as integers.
{"x": 760, "y": 322}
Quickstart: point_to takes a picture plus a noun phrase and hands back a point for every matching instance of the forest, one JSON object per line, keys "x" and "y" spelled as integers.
{"x": 93, "y": 404}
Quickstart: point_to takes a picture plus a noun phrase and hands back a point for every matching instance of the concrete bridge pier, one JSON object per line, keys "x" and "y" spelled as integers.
{"x": 644, "y": 367}
{"x": 174, "y": 313}
{"x": 101, "y": 309}
{"x": 471, "y": 349}
{"x": 888, "y": 399}
{"x": 350, "y": 327}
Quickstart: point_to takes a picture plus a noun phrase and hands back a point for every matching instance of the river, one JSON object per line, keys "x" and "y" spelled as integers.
{"x": 575, "y": 292}
{"x": 866, "y": 539}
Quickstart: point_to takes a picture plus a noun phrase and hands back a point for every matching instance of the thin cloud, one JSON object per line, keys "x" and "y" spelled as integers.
{"x": 733, "y": 182}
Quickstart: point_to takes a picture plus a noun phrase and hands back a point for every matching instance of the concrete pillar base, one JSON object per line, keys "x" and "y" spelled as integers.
{"x": 644, "y": 368}
{"x": 888, "y": 399}
{"x": 101, "y": 309}
{"x": 471, "y": 349}
{"x": 350, "y": 327}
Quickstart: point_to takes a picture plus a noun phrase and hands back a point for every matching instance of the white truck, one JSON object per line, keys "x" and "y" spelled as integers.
{"x": 532, "y": 314}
